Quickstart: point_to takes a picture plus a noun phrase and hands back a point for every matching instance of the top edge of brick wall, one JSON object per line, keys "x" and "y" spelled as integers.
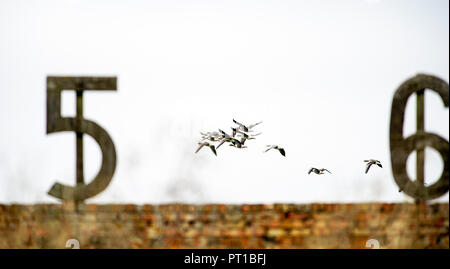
{"x": 222, "y": 208}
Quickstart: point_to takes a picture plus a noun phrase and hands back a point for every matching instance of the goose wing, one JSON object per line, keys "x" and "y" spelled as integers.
{"x": 213, "y": 149}
{"x": 242, "y": 126}
{"x": 220, "y": 144}
{"x": 199, "y": 147}
{"x": 368, "y": 167}
{"x": 282, "y": 151}
{"x": 253, "y": 125}
{"x": 242, "y": 133}
{"x": 243, "y": 140}
{"x": 224, "y": 134}
{"x": 238, "y": 123}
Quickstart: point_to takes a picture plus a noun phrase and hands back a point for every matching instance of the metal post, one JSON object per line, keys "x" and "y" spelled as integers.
{"x": 420, "y": 125}
{"x": 79, "y": 116}
{"x": 79, "y": 143}
{"x": 420, "y": 129}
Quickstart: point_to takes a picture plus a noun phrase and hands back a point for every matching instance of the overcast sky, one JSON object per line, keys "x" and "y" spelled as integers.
{"x": 320, "y": 74}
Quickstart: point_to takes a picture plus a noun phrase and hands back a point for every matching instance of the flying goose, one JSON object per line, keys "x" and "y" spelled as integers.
{"x": 211, "y": 136}
{"x": 224, "y": 138}
{"x": 241, "y": 126}
{"x": 242, "y": 135}
{"x": 280, "y": 149}
{"x": 370, "y": 162}
{"x": 202, "y": 144}
{"x": 227, "y": 138}
{"x": 318, "y": 171}
{"x": 238, "y": 144}
{"x": 236, "y": 131}
{"x": 245, "y": 128}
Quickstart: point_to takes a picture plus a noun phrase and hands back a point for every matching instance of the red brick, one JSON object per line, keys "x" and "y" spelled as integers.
{"x": 404, "y": 225}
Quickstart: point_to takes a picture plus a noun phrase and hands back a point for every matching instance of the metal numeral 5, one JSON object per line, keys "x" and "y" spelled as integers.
{"x": 57, "y": 123}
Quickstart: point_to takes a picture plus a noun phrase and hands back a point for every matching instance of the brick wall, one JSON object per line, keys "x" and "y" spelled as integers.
{"x": 225, "y": 226}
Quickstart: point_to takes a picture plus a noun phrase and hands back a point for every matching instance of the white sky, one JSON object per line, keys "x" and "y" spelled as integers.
{"x": 320, "y": 74}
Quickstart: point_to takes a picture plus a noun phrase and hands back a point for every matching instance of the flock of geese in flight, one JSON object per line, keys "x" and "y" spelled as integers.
{"x": 241, "y": 133}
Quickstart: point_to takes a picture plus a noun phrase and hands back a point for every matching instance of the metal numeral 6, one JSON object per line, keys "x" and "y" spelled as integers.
{"x": 402, "y": 147}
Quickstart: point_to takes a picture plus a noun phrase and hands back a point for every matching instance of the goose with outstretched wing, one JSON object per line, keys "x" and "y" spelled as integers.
{"x": 246, "y": 128}
{"x": 280, "y": 149}
{"x": 320, "y": 171}
{"x": 203, "y": 144}
{"x": 370, "y": 162}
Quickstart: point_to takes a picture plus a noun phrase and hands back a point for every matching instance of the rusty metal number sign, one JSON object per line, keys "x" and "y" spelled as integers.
{"x": 79, "y": 125}
{"x": 402, "y": 147}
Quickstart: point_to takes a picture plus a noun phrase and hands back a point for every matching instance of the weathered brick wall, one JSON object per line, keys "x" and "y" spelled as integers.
{"x": 225, "y": 226}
